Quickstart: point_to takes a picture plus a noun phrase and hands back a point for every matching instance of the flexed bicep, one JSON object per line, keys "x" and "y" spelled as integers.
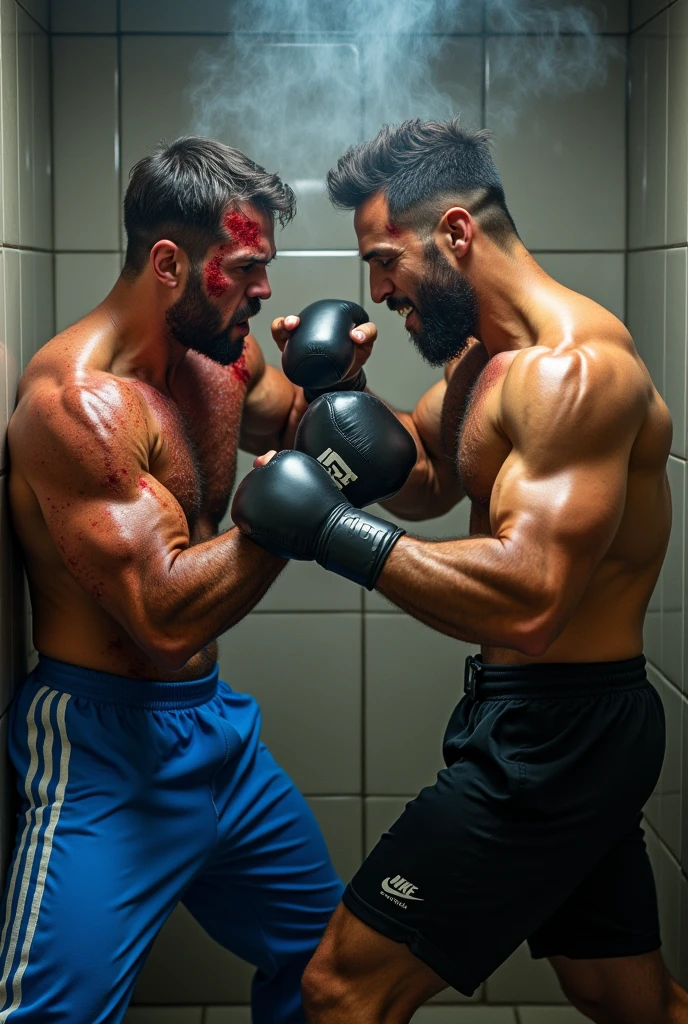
{"x": 115, "y": 526}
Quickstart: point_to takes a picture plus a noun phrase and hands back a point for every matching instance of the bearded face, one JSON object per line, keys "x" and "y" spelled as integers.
{"x": 196, "y": 323}
{"x": 447, "y": 308}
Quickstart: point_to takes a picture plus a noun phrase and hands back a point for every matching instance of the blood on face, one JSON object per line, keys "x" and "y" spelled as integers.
{"x": 240, "y": 370}
{"x": 245, "y": 232}
{"x": 393, "y": 230}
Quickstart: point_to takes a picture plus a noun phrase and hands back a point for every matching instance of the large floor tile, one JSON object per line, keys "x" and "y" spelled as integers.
{"x": 84, "y": 16}
{"x": 521, "y": 979}
{"x": 305, "y": 672}
{"x": 87, "y": 214}
{"x": 600, "y": 276}
{"x": 676, "y": 347}
{"x": 228, "y": 1015}
{"x": 164, "y": 1015}
{"x": 677, "y": 125}
{"x": 82, "y": 280}
{"x": 185, "y": 966}
{"x": 10, "y": 123}
{"x": 464, "y": 1015}
{"x": 341, "y": 821}
{"x": 414, "y": 679}
{"x": 559, "y": 154}
{"x": 551, "y": 1015}
{"x": 648, "y": 136}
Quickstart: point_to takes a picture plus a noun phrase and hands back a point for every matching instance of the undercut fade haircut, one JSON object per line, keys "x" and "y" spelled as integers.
{"x": 423, "y": 168}
{"x": 182, "y": 191}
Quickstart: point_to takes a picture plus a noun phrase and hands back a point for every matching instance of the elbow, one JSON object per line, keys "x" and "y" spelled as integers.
{"x": 535, "y": 632}
{"x": 167, "y": 651}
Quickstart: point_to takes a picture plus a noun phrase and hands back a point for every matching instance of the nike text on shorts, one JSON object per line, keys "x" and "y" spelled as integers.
{"x": 532, "y": 831}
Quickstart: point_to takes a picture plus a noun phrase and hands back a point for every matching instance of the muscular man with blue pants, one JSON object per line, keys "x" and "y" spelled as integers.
{"x": 141, "y": 776}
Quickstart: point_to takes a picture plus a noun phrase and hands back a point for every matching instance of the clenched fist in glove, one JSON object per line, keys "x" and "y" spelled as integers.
{"x": 293, "y": 508}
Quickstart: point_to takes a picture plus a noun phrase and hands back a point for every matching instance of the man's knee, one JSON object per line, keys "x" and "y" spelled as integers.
{"x": 325, "y": 990}
{"x": 606, "y": 1008}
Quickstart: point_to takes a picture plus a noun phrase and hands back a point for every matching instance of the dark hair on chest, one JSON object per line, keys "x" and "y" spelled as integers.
{"x": 183, "y": 190}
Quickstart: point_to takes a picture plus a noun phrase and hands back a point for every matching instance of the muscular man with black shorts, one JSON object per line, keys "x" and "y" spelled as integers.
{"x": 141, "y": 776}
{"x": 548, "y": 422}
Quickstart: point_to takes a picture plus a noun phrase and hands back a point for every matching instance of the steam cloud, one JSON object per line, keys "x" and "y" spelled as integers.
{"x": 298, "y": 81}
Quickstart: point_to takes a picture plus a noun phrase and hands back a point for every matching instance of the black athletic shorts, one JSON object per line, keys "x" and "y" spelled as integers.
{"x": 532, "y": 831}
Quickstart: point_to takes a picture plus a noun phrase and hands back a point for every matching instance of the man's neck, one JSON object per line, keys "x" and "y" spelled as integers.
{"x": 143, "y": 346}
{"x": 515, "y": 298}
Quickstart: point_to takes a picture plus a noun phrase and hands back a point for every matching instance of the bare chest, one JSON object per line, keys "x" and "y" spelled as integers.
{"x": 480, "y": 448}
{"x": 197, "y": 436}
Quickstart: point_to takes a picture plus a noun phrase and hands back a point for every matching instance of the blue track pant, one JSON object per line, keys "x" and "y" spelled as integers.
{"x": 134, "y": 796}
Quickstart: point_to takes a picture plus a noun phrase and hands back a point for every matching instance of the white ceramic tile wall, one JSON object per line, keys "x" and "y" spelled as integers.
{"x": 677, "y": 133}
{"x": 611, "y": 16}
{"x": 86, "y": 156}
{"x": 643, "y": 10}
{"x": 27, "y": 309}
{"x": 657, "y": 316}
{"x": 648, "y": 136}
{"x": 579, "y": 143}
{"x": 577, "y": 179}
{"x": 84, "y": 16}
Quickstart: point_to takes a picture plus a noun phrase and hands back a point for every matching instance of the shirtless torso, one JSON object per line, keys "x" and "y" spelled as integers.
{"x": 486, "y": 404}
{"x": 184, "y": 436}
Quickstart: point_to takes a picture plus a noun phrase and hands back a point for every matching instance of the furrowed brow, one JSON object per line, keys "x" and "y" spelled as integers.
{"x": 372, "y": 254}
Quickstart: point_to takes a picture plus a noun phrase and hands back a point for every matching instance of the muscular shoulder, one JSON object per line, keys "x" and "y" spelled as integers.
{"x": 82, "y": 417}
{"x": 596, "y": 390}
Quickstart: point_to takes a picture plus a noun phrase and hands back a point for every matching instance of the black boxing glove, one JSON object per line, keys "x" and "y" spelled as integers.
{"x": 319, "y": 353}
{"x": 293, "y": 509}
{"x": 360, "y": 442}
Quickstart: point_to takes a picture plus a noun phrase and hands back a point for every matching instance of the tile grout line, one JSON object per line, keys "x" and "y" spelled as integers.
{"x": 657, "y": 14}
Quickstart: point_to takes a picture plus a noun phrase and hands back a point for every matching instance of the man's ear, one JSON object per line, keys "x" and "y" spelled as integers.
{"x": 457, "y": 229}
{"x": 170, "y": 263}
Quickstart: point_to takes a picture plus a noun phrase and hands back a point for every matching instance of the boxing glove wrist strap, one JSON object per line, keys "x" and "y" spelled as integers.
{"x": 357, "y": 383}
{"x": 355, "y": 545}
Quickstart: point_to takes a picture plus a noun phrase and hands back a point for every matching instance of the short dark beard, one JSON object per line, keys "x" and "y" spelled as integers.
{"x": 195, "y": 322}
{"x": 447, "y": 305}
